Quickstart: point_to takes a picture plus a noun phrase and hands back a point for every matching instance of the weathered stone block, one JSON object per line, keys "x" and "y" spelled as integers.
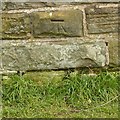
{"x": 102, "y": 20}
{"x": 40, "y": 55}
{"x": 15, "y": 5}
{"x": 114, "y": 52}
{"x": 28, "y": 5}
{"x": 15, "y": 25}
{"x": 57, "y": 23}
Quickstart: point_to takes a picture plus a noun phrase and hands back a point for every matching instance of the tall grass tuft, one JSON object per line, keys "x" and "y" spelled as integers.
{"x": 82, "y": 90}
{"x": 78, "y": 90}
{"x": 18, "y": 90}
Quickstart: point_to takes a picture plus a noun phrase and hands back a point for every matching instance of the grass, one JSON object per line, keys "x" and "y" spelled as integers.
{"x": 78, "y": 96}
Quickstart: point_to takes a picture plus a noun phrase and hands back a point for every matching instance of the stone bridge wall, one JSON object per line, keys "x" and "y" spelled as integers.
{"x": 42, "y": 36}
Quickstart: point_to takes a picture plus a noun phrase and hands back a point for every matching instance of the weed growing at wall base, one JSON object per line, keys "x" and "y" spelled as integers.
{"x": 74, "y": 96}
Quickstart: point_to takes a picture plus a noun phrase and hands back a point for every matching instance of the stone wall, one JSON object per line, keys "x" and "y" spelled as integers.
{"x": 41, "y": 35}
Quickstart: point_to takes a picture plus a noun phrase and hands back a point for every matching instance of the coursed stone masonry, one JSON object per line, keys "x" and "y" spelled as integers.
{"x": 40, "y": 36}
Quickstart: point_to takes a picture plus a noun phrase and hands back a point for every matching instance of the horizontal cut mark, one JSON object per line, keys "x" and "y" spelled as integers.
{"x": 101, "y": 19}
{"x": 105, "y": 23}
{"x": 102, "y": 11}
{"x": 109, "y": 24}
{"x": 101, "y": 15}
{"x": 102, "y": 29}
{"x": 57, "y": 20}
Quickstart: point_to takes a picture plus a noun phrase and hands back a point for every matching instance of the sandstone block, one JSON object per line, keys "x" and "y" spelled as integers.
{"x": 114, "y": 46}
{"x": 15, "y": 25}
{"x": 57, "y": 23}
{"x": 37, "y": 55}
{"x": 102, "y": 20}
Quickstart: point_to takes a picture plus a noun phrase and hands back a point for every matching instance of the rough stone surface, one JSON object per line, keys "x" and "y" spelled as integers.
{"x": 15, "y": 26}
{"x": 114, "y": 53}
{"x": 102, "y": 20}
{"x": 57, "y": 23}
{"x": 35, "y": 55}
{"x": 47, "y": 35}
{"x": 29, "y": 5}
{"x": 84, "y": 1}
